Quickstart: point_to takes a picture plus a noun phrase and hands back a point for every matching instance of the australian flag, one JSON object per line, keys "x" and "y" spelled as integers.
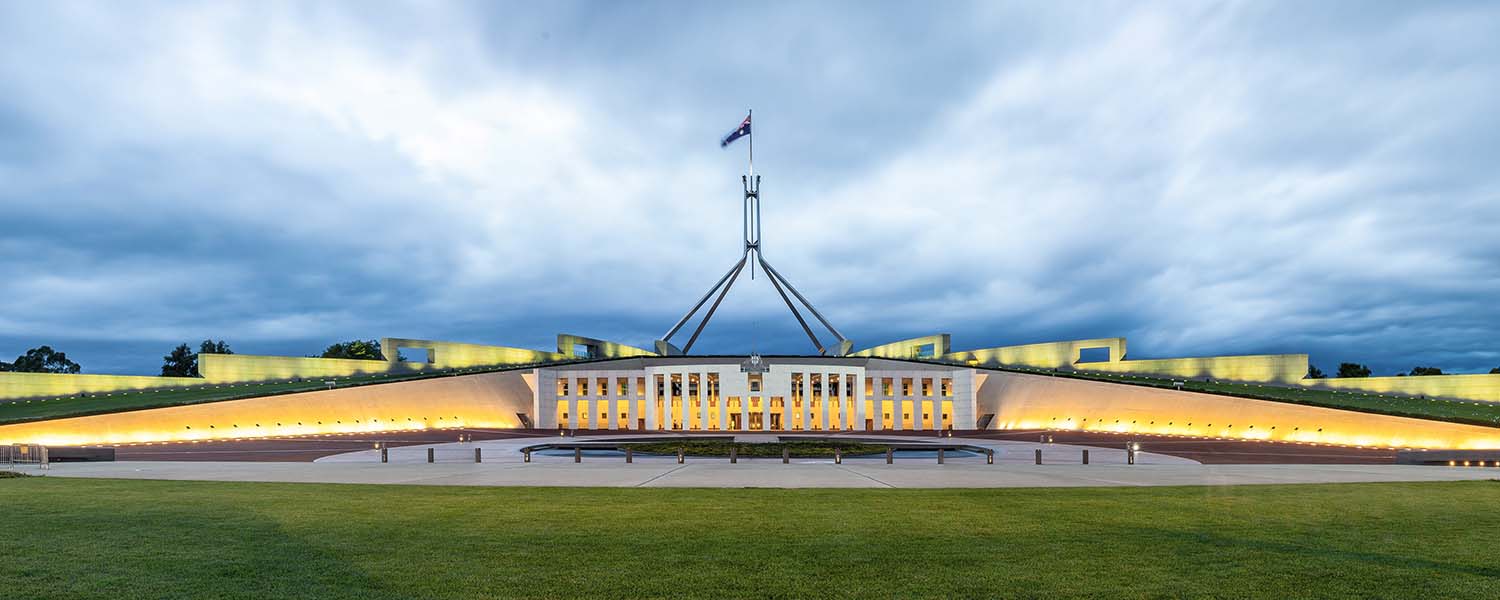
{"x": 739, "y": 132}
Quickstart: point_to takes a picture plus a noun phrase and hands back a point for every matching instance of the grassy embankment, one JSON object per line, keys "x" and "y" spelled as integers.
{"x": 1460, "y": 411}
{"x": 93, "y": 404}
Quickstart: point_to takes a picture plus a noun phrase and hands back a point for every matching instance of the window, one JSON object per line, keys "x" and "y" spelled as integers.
{"x": 583, "y": 386}
{"x": 640, "y": 386}
{"x": 1091, "y": 355}
{"x": 947, "y": 387}
{"x": 886, "y": 386}
{"x": 562, "y": 386}
{"x": 905, "y": 386}
{"x": 622, "y": 386}
{"x": 603, "y": 386}
{"x": 927, "y": 387}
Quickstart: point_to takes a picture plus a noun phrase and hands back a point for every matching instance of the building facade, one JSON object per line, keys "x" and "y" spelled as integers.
{"x": 774, "y": 395}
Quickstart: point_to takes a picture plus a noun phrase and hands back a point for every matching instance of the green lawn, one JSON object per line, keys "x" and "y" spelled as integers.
{"x": 93, "y": 404}
{"x": 1462, "y": 411}
{"x": 154, "y": 539}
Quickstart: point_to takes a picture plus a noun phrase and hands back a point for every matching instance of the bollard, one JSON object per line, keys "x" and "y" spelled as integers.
{"x": 1085, "y": 457}
{"x": 526, "y": 453}
{"x": 989, "y": 456}
{"x": 477, "y": 459}
{"x": 679, "y": 455}
{"x": 734, "y": 455}
{"x": 1038, "y": 456}
{"x": 889, "y": 454}
{"x": 46, "y": 460}
{"x": 838, "y": 455}
{"x": 629, "y": 454}
{"x": 577, "y": 454}
{"x": 429, "y": 454}
{"x": 786, "y": 456}
{"x": 940, "y": 456}
{"x": 383, "y": 456}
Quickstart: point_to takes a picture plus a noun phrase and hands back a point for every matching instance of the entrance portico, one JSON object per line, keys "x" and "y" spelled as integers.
{"x": 787, "y": 394}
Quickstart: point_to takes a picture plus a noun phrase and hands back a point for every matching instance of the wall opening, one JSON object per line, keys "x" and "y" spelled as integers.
{"x": 1093, "y": 355}
{"x": 408, "y": 354}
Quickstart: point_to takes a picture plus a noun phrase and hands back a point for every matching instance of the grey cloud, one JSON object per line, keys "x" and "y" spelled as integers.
{"x": 1221, "y": 179}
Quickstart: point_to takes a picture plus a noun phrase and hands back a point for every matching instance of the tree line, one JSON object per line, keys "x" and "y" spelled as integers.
{"x": 1349, "y": 370}
{"x": 182, "y": 361}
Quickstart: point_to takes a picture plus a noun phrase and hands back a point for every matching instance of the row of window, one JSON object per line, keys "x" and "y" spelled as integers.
{"x": 622, "y": 387}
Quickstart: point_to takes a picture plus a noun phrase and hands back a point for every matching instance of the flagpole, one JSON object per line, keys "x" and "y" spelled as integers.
{"x": 749, "y": 117}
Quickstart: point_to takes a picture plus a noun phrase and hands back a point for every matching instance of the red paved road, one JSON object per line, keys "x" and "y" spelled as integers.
{"x": 1208, "y": 450}
{"x": 1204, "y": 450}
{"x": 300, "y": 449}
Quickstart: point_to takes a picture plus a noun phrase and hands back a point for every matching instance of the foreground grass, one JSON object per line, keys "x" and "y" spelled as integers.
{"x": 157, "y": 539}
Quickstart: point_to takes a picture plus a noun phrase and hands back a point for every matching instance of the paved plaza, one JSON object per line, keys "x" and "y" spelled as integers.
{"x": 1014, "y": 466}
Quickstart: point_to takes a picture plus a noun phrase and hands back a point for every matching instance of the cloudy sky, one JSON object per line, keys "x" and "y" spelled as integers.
{"x": 1202, "y": 178}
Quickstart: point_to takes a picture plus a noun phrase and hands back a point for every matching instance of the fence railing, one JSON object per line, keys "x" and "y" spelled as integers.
{"x": 14, "y": 455}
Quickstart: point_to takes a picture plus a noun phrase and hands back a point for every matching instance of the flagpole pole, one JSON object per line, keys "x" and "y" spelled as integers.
{"x": 749, "y": 117}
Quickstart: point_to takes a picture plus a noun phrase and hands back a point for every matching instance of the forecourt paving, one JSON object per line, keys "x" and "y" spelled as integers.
{"x": 503, "y": 466}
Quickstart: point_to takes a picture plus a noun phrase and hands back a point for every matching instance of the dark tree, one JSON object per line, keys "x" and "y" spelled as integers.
{"x": 1426, "y": 371}
{"x": 213, "y": 347}
{"x": 1347, "y": 370}
{"x": 4, "y": 366}
{"x": 44, "y": 359}
{"x": 180, "y": 363}
{"x": 1494, "y": 371}
{"x": 357, "y": 349}
{"x": 1313, "y": 372}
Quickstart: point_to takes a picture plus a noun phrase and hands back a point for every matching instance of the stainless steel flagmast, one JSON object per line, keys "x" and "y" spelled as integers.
{"x": 752, "y": 255}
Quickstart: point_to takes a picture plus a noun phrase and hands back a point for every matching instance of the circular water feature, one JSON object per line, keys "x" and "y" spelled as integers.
{"x": 587, "y": 452}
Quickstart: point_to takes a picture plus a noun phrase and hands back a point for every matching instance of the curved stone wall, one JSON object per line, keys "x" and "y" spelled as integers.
{"x": 1024, "y": 401}
{"x": 489, "y": 400}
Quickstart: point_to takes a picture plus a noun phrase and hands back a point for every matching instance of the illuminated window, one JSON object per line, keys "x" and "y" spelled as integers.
{"x": 583, "y": 386}
{"x": 562, "y": 386}
{"x": 905, "y": 386}
{"x": 947, "y": 387}
{"x": 886, "y": 386}
{"x": 927, "y": 387}
{"x": 640, "y": 386}
{"x": 869, "y": 386}
{"x": 603, "y": 386}
{"x": 622, "y": 386}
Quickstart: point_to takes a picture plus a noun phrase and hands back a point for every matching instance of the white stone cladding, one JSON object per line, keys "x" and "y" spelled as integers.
{"x": 713, "y": 394}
